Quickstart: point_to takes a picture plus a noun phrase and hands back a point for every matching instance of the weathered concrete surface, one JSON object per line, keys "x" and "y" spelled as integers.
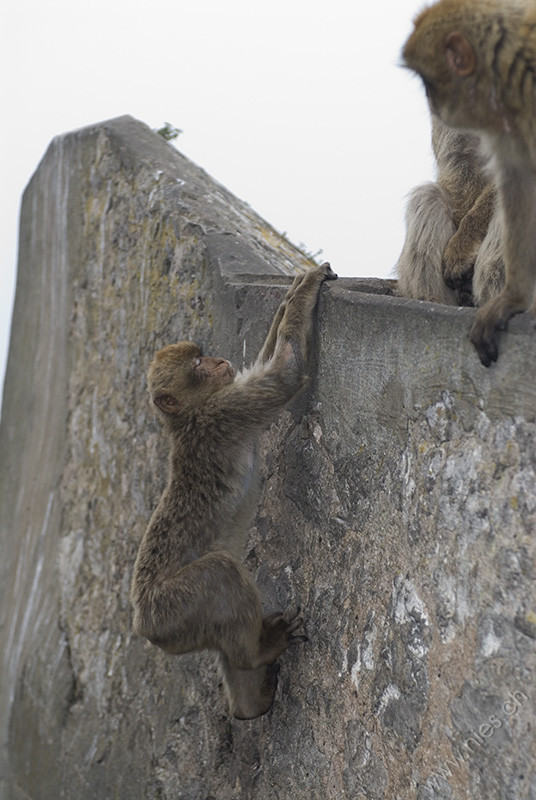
{"x": 399, "y": 510}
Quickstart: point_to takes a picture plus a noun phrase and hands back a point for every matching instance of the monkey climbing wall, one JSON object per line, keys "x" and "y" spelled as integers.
{"x": 398, "y": 510}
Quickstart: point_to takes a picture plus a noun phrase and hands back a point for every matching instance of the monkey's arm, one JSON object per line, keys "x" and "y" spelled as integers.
{"x": 259, "y": 393}
{"x": 299, "y": 287}
{"x": 296, "y": 323}
{"x": 462, "y": 250}
{"x": 517, "y": 186}
{"x": 268, "y": 347}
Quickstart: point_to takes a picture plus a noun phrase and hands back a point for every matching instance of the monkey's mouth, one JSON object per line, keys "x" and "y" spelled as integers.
{"x": 228, "y": 370}
{"x": 224, "y": 371}
{"x": 215, "y": 367}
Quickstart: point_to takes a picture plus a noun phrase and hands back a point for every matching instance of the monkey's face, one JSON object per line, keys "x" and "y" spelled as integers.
{"x": 441, "y": 52}
{"x": 445, "y": 61}
{"x": 181, "y": 378}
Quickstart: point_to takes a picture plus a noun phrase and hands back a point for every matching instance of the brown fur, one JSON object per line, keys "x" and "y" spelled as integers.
{"x": 452, "y": 253}
{"x": 447, "y": 222}
{"x": 190, "y": 590}
{"x": 478, "y": 63}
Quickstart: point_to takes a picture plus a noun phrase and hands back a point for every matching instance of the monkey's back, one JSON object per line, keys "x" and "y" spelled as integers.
{"x": 207, "y": 504}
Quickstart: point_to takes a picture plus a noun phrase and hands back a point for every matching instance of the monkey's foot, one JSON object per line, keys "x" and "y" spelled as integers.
{"x": 458, "y": 275}
{"x": 490, "y": 319}
{"x": 464, "y": 290}
{"x": 256, "y": 691}
{"x": 278, "y": 634}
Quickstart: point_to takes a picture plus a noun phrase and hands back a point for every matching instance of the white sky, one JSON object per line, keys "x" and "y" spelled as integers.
{"x": 298, "y": 107}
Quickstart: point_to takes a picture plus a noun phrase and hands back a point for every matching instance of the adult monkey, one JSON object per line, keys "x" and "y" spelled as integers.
{"x": 477, "y": 61}
{"x": 453, "y": 247}
{"x": 190, "y": 590}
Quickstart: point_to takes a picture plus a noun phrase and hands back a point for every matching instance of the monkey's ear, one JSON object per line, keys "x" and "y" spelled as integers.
{"x": 460, "y": 55}
{"x": 166, "y": 403}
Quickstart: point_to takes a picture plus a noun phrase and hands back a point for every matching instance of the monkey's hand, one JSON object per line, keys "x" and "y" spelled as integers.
{"x": 490, "y": 319}
{"x": 314, "y": 275}
{"x": 323, "y": 273}
{"x": 301, "y": 299}
{"x": 327, "y": 272}
{"x": 293, "y": 315}
{"x": 278, "y": 634}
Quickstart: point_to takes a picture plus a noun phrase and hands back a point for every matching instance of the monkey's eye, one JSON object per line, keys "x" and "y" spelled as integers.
{"x": 197, "y": 362}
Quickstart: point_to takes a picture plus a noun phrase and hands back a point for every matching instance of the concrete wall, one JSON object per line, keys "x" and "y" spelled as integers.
{"x": 399, "y": 510}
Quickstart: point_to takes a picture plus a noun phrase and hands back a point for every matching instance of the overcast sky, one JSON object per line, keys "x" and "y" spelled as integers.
{"x": 299, "y": 108}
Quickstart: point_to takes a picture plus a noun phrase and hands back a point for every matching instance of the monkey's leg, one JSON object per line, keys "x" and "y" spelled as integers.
{"x": 462, "y": 250}
{"x": 429, "y": 228}
{"x": 211, "y": 603}
{"x": 250, "y": 691}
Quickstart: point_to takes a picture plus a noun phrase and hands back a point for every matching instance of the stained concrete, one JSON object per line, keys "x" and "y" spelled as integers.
{"x": 398, "y": 510}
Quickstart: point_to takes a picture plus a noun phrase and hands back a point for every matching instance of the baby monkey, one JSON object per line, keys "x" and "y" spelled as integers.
{"x": 477, "y": 61}
{"x": 190, "y": 590}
